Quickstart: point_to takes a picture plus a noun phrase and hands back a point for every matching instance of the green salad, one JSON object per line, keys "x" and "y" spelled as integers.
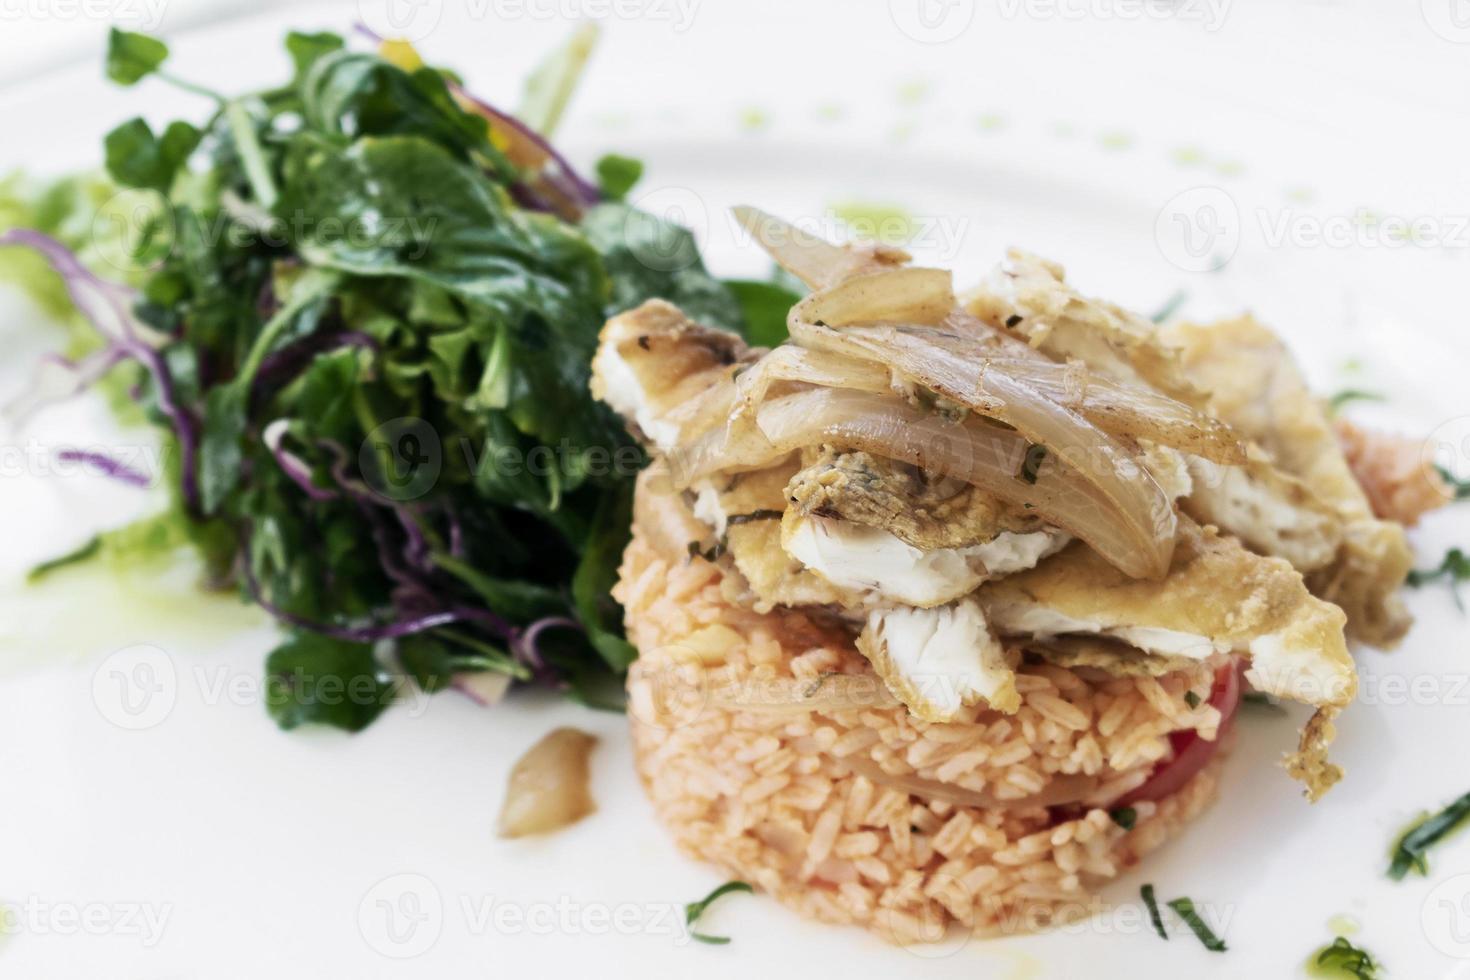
{"x": 360, "y": 306}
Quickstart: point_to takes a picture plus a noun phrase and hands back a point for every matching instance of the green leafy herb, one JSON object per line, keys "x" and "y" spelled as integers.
{"x": 1170, "y": 307}
{"x": 810, "y": 691}
{"x": 132, "y": 57}
{"x": 694, "y": 910}
{"x": 735, "y": 520}
{"x": 1124, "y": 816}
{"x": 1347, "y": 396}
{"x": 84, "y": 552}
{"x": 1453, "y": 568}
{"x": 1348, "y": 960}
{"x": 1031, "y": 464}
{"x": 1263, "y": 701}
{"x": 149, "y": 539}
{"x": 1184, "y": 908}
{"x": 1147, "y": 891}
{"x": 1460, "y": 488}
{"x": 373, "y": 374}
{"x": 137, "y": 158}
{"x": 316, "y": 679}
{"x": 617, "y": 175}
{"x": 1191, "y": 699}
{"x": 1410, "y": 852}
{"x": 646, "y": 256}
{"x": 764, "y": 305}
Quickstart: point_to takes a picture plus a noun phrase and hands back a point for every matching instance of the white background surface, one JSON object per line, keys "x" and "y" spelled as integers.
{"x": 1065, "y": 127}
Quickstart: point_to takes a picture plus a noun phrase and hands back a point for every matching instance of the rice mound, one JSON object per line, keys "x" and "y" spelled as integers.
{"x": 819, "y": 805}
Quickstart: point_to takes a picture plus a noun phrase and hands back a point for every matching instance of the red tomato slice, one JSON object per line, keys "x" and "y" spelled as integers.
{"x": 1191, "y": 752}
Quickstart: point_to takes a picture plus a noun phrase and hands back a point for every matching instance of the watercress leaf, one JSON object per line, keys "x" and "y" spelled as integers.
{"x": 313, "y": 679}
{"x": 516, "y": 600}
{"x": 137, "y": 158}
{"x": 763, "y": 306}
{"x": 349, "y": 95}
{"x": 220, "y": 453}
{"x": 307, "y": 49}
{"x": 132, "y": 56}
{"x": 617, "y": 174}
{"x": 596, "y": 574}
{"x": 648, "y": 257}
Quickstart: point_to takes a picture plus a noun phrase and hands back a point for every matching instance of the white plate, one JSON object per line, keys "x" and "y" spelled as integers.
{"x": 142, "y": 778}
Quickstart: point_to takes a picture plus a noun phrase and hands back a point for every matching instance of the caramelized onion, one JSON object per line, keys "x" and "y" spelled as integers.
{"x": 815, "y": 367}
{"x": 548, "y": 785}
{"x": 965, "y": 368}
{"x": 1120, "y": 526}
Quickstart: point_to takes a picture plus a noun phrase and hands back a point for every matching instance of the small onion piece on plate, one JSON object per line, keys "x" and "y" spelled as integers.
{"x": 548, "y": 787}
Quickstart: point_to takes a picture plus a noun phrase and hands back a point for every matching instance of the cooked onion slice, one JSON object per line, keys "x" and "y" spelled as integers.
{"x": 815, "y": 367}
{"x": 963, "y": 368}
{"x": 810, "y": 258}
{"x": 1131, "y": 524}
{"x": 907, "y": 295}
{"x": 548, "y": 785}
{"x": 1062, "y": 790}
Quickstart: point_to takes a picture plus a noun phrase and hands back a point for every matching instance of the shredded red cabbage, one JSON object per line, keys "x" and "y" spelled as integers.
{"x": 107, "y": 306}
{"x": 107, "y": 466}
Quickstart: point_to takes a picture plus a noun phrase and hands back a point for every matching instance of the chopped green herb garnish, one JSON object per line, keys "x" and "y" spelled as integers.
{"x": 1191, "y": 699}
{"x": 1345, "y": 397}
{"x": 1348, "y": 960}
{"x": 1030, "y": 466}
{"x": 89, "y": 549}
{"x": 1184, "y": 908}
{"x": 1410, "y": 853}
{"x": 811, "y": 689}
{"x": 1170, "y": 307}
{"x": 1125, "y": 817}
{"x": 1460, "y": 488}
{"x": 1147, "y": 891}
{"x": 755, "y": 515}
{"x": 711, "y": 554}
{"x": 1261, "y": 699}
{"x": 694, "y": 910}
{"x": 1454, "y": 567}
